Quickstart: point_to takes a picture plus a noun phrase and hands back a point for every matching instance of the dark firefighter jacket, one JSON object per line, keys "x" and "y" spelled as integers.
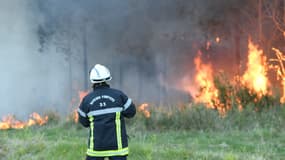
{"x": 103, "y": 110}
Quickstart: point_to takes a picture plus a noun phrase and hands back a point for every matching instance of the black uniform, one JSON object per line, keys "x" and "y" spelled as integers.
{"x": 103, "y": 110}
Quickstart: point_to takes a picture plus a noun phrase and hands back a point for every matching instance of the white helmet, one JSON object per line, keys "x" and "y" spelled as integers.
{"x": 99, "y": 74}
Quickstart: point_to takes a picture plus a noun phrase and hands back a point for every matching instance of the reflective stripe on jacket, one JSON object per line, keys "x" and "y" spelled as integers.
{"x": 103, "y": 110}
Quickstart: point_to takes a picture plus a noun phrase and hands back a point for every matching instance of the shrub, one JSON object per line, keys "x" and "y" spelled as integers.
{"x": 198, "y": 117}
{"x": 235, "y": 95}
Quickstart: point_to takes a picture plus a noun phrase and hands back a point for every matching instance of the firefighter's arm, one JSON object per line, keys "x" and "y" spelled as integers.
{"x": 82, "y": 114}
{"x": 129, "y": 108}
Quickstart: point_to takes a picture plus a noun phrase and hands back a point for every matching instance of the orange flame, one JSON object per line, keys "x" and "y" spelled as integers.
{"x": 81, "y": 95}
{"x": 38, "y": 119}
{"x": 204, "y": 79}
{"x": 10, "y": 121}
{"x": 144, "y": 109}
{"x": 75, "y": 116}
{"x": 255, "y": 76}
{"x": 218, "y": 39}
{"x": 282, "y": 99}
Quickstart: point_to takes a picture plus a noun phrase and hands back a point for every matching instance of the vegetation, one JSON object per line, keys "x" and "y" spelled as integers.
{"x": 239, "y": 96}
{"x": 190, "y": 132}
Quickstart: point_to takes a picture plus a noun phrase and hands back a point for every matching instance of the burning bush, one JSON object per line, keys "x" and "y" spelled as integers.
{"x": 238, "y": 96}
{"x": 252, "y": 88}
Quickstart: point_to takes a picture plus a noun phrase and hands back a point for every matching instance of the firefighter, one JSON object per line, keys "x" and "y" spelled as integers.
{"x": 103, "y": 111}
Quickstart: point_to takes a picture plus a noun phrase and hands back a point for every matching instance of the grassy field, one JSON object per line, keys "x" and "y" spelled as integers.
{"x": 67, "y": 141}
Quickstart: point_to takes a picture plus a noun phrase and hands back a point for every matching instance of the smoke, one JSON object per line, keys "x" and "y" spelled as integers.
{"x": 30, "y": 81}
{"x": 149, "y": 47}
{"x": 138, "y": 40}
{"x": 20, "y": 80}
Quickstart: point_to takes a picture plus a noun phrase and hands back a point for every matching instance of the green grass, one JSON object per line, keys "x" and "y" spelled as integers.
{"x": 183, "y": 132}
{"x": 189, "y": 133}
{"x": 68, "y": 142}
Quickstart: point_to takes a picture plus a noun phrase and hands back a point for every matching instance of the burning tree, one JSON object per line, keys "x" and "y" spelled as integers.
{"x": 280, "y": 70}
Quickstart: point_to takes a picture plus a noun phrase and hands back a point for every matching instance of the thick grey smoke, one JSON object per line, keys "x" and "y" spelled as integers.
{"x": 22, "y": 81}
{"x": 30, "y": 81}
{"x": 148, "y": 45}
{"x": 142, "y": 42}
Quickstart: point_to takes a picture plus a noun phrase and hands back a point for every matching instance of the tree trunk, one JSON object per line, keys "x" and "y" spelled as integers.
{"x": 85, "y": 60}
{"x": 237, "y": 51}
{"x": 237, "y": 37}
{"x": 70, "y": 78}
{"x": 260, "y": 17}
{"x": 140, "y": 79}
{"x": 121, "y": 72}
{"x": 283, "y": 11}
